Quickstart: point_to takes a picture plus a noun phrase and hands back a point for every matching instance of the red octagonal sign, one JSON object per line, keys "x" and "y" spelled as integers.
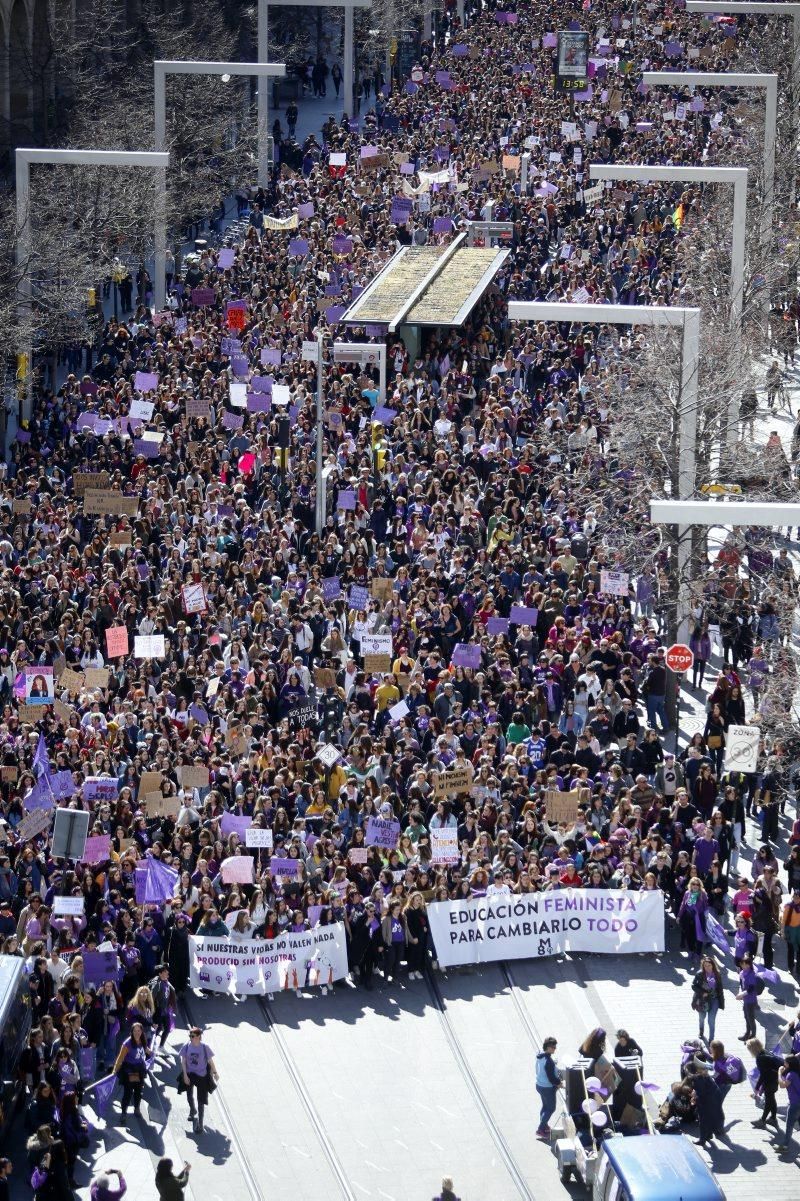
{"x": 679, "y": 657}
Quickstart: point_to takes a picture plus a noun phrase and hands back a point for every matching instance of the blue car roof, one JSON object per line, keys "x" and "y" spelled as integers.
{"x": 662, "y": 1167}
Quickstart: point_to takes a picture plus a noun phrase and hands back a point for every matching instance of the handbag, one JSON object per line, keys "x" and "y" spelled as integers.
{"x": 714, "y": 741}
{"x": 211, "y": 1084}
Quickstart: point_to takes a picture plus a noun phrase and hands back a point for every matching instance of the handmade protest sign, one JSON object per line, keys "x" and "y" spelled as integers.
{"x": 194, "y": 599}
{"x": 563, "y": 806}
{"x": 523, "y": 615}
{"x": 33, "y": 824}
{"x": 530, "y": 926}
{"x": 194, "y": 777}
{"x": 615, "y": 583}
{"x": 466, "y": 655}
{"x": 377, "y": 652}
{"x": 97, "y": 849}
{"x": 68, "y": 906}
{"x": 96, "y": 677}
{"x": 256, "y": 837}
{"x": 117, "y": 641}
{"x": 238, "y": 869}
{"x": 382, "y": 832}
{"x": 150, "y": 646}
{"x": 39, "y": 685}
{"x": 455, "y": 779}
{"x": 291, "y": 961}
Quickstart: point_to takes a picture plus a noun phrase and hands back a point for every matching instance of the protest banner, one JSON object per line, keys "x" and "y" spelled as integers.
{"x": 194, "y": 599}
{"x": 71, "y": 680}
{"x": 194, "y": 777}
{"x": 457, "y": 779}
{"x": 81, "y": 480}
{"x": 237, "y": 869}
{"x": 33, "y": 823}
{"x": 117, "y": 641}
{"x": 68, "y": 906}
{"x": 290, "y": 961}
{"x": 382, "y": 833}
{"x": 563, "y": 806}
{"x": 150, "y": 646}
{"x": 531, "y": 926}
{"x": 254, "y": 836}
{"x": 741, "y": 748}
{"x": 96, "y": 677}
{"x": 615, "y": 583}
{"x": 377, "y": 652}
{"x": 101, "y": 788}
{"x": 444, "y": 846}
{"x": 39, "y": 685}
{"x": 97, "y": 849}
{"x": 105, "y": 502}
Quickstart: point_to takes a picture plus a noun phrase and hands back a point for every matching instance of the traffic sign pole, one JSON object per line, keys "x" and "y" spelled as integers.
{"x": 679, "y": 658}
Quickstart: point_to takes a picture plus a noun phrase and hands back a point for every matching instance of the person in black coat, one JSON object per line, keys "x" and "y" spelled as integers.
{"x": 366, "y": 941}
{"x": 768, "y": 1066}
{"x": 178, "y": 953}
{"x": 708, "y": 1100}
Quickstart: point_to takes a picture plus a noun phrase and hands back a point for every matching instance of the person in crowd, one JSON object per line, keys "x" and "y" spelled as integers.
{"x": 708, "y": 996}
{"x": 131, "y": 1067}
{"x": 197, "y": 1065}
{"x": 766, "y": 1087}
{"x": 548, "y": 1082}
{"x": 169, "y": 1186}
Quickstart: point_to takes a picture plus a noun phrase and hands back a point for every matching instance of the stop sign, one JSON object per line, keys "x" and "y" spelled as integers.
{"x": 679, "y": 657}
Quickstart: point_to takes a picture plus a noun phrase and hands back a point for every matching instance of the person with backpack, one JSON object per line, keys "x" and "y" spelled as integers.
{"x": 708, "y": 996}
{"x": 548, "y": 1082}
{"x": 767, "y": 1066}
{"x": 728, "y": 1069}
{"x": 750, "y": 988}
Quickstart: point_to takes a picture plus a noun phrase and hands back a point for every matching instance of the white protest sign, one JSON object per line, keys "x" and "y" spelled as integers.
{"x": 68, "y": 906}
{"x": 530, "y": 926}
{"x": 194, "y": 598}
{"x": 376, "y": 644}
{"x": 741, "y": 748}
{"x": 254, "y": 837}
{"x": 150, "y": 646}
{"x": 615, "y": 583}
{"x": 399, "y": 711}
{"x": 444, "y": 846}
{"x": 290, "y": 961}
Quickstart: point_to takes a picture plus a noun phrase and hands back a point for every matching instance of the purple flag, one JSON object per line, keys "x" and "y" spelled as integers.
{"x": 40, "y": 796}
{"x": 768, "y": 974}
{"x": 160, "y": 882}
{"x": 716, "y": 933}
{"x": 102, "y": 1091}
{"x": 41, "y": 762}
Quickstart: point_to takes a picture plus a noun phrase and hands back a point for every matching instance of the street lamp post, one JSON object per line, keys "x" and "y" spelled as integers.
{"x": 688, "y": 321}
{"x": 347, "y": 65}
{"x": 721, "y": 79}
{"x": 25, "y": 156}
{"x": 767, "y": 8}
{"x": 737, "y": 176}
{"x": 161, "y": 69}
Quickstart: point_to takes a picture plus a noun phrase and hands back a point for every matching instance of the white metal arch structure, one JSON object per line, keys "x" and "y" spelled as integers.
{"x": 161, "y": 69}
{"x": 723, "y": 79}
{"x": 688, "y": 321}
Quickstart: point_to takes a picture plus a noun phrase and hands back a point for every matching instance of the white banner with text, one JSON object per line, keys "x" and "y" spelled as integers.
{"x": 305, "y": 960}
{"x": 485, "y": 929}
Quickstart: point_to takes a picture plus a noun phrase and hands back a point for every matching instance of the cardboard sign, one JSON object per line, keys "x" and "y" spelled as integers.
{"x": 30, "y": 713}
{"x": 563, "y": 806}
{"x": 71, "y": 680}
{"x": 120, "y": 538}
{"x": 162, "y": 806}
{"x": 62, "y": 711}
{"x": 457, "y": 779}
{"x": 96, "y": 480}
{"x": 150, "y": 782}
{"x": 105, "y": 502}
{"x": 96, "y": 677}
{"x": 198, "y": 406}
{"x": 381, "y": 589}
{"x": 194, "y": 777}
{"x": 9, "y": 774}
{"x": 34, "y": 823}
{"x": 21, "y": 505}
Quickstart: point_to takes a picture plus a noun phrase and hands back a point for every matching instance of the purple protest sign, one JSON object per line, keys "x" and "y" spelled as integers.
{"x": 331, "y": 588}
{"x": 298, "y": 247}
{"x": 459, "y": 50}
{"x": 232, "y": 823}
{"x": 442, "y": 77}
{"x": 23, "y": 436}
{"x": 346, "y": 499}
{"x": 270, "y": 357}
{"x": 285, "y": 868}
{"x": 240, "y": 365}
{"x": 232, "y": 421}
{"x": 203, "y": 296}
{"x": 549, "y": 41}
{"x": 99, "y": 966}
{"x": 342, "y": 244}
{"x": 304, "y": 211}
{"x": 521, "y": 615}
{"x": 334, "y": 313}
{"x": 358, "y": 597}
{"x": 382, "y": 833}
{"x": 62, "y": 784}
{"x": 230, "y": 346}
{"x": 145, "y": 381}
{"x": 399, "y": 215}
{"x": 466, "y": 655}
{"x": 97, "y": 849}
{"x": 673, "y": 50}
{"x": 410, "y": 88}
{"x": 407, "y": 168}
{"x": 199, "y": 714}
{"x": 226, "y": 258}
{"x": 383, "y": 415}
{"x": 261, "y": 383}
{"x": 258, "y": 402}
{"x": 40, "y": 796}
{"x": 497, "y": 625}
{"x": 442, "y": 225}
{"x": 149, "y": 450}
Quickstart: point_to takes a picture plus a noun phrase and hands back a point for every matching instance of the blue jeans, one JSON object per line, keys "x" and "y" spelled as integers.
{"x": 548, "y": 1099}
{"x": 711, "y": 1017}
{"x": 792, "y": 1114}
{"x": 656, "y": 708}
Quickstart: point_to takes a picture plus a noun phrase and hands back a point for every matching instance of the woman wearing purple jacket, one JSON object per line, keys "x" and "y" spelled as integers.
{"x": 692, "y": 919}
{"x": 748, "y": 995}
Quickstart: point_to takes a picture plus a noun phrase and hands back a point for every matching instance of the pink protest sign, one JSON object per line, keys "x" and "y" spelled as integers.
{"x": 117, "y": 641}
{"x": 97, "y": 849}
{"x": 237, "y": 870}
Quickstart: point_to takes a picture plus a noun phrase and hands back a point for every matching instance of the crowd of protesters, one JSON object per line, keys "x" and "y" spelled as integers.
{"x": 499, "y": 483}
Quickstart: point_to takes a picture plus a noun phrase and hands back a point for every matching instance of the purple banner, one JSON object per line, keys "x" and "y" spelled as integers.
{"x": 466, "y": 655}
